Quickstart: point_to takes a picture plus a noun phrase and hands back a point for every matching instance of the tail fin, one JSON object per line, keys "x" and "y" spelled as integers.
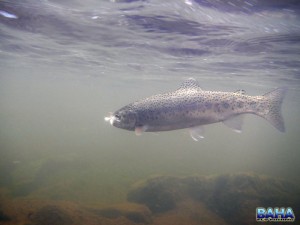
{"x": 273, "y": 113}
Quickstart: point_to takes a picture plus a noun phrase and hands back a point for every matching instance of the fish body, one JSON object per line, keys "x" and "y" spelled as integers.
{"x": 191, "y": 107}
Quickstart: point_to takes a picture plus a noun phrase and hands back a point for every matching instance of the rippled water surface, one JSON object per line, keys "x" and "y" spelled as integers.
{"x": 64, "y": 65}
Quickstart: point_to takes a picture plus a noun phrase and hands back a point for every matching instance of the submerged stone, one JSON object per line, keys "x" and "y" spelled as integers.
{"x": 133, "y": 212}
{"x": 232, "y": 197}
{"x": 157, "y": 194}
{"x": 4, "y": 217}
{"x": 51, "y": 215}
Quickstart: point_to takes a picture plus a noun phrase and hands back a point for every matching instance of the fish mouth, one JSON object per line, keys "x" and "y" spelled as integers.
{"x": 111, "y": 119}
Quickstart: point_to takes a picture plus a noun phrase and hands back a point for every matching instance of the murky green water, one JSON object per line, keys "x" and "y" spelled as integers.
{"x": 64, "y": 67}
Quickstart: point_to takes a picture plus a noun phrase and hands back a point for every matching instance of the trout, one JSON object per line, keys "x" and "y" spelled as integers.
{"x": 191, "y": 107}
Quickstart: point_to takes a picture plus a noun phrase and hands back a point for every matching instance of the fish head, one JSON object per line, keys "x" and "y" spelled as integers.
{"x": 124, "y": 118}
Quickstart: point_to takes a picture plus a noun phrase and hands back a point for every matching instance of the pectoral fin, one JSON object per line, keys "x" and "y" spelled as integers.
{"x": 235, "y": 123}
{"x": 197, "y": 133}
{"x": 139, "y": 130}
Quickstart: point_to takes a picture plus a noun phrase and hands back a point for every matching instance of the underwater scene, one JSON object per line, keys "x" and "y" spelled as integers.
{"x": 83, "y": 142}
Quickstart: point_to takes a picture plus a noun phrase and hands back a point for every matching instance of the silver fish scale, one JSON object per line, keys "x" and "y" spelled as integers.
{"x": 188, "y": 108}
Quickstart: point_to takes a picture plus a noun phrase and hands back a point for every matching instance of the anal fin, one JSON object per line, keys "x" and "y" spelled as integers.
{"x": 235, "y": 123}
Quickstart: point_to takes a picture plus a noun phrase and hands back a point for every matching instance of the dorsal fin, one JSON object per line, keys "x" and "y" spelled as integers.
{"x": 241, "y": 92}
{"x": 190, "y": 83}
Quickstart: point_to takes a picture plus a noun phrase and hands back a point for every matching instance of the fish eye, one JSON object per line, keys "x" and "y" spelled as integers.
{"x": 118, "y": 117}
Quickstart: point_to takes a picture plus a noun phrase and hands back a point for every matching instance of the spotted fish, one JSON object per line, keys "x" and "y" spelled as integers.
{"x": 191, "y": 107}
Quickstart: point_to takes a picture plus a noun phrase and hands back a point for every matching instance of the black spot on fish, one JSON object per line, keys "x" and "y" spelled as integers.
{"x": 240, "y": 104}
{"x": 225, "y": 105}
